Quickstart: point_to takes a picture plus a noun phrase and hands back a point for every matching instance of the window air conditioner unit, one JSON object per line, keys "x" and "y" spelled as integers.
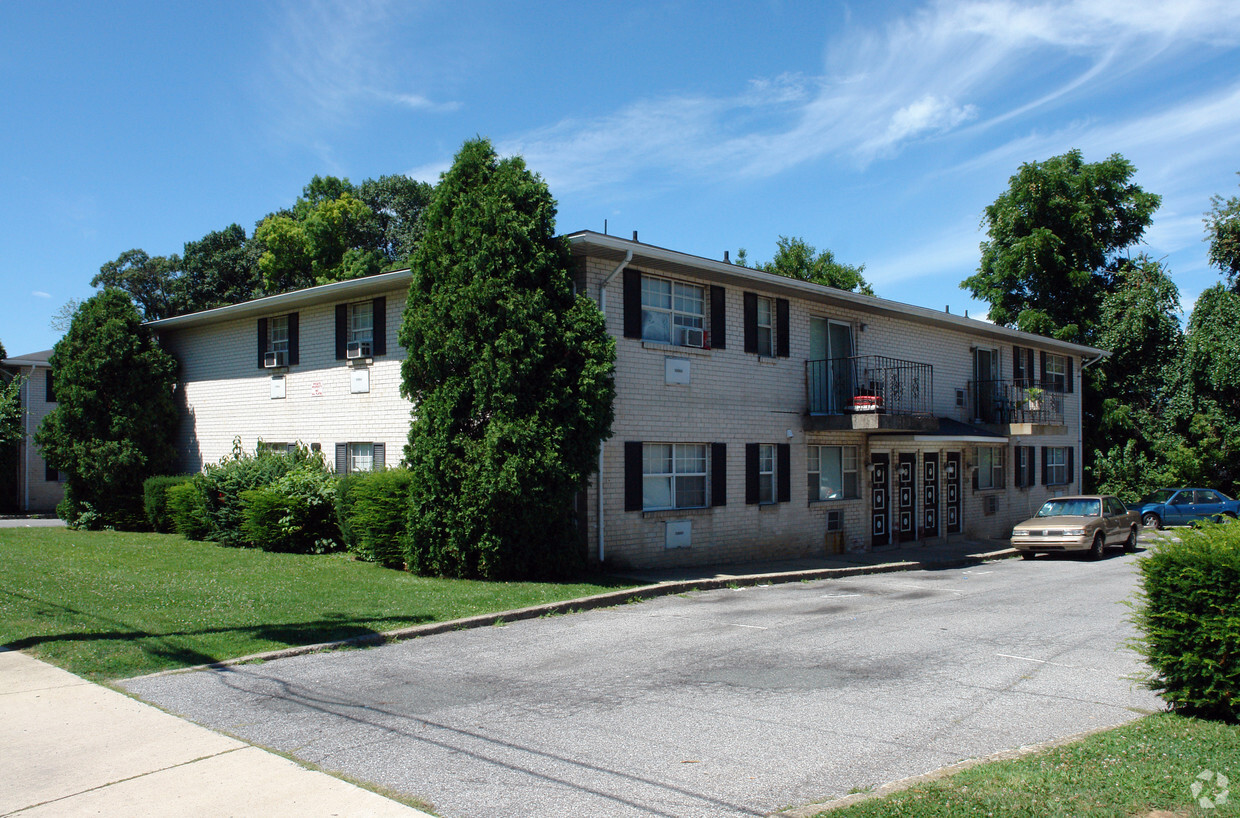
{"x": 694, "y": 337}
{"x": 274, "y": 359}
{"x": 357, "y": 349}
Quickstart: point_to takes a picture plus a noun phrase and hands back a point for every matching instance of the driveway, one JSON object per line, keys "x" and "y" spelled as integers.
{"x": 731, "y": 702}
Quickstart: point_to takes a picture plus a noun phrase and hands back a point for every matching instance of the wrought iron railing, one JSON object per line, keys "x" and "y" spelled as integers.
{"x": 869, "y": 383}
{"x": 1015, "y": 402}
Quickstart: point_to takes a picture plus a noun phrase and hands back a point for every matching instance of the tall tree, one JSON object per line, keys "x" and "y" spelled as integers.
{"x": 397, "y": 202}
{"x": 796, "y": 258}
{"x": 114, "y": 419}
{"x": 219, "y": 269}
{"x": 10, "y": 406}
{"x": 1055, "y": 237}
{"x": 511, "y": 374}
{"x": 1223, "y": 233}
{"x": 150, "y": 281}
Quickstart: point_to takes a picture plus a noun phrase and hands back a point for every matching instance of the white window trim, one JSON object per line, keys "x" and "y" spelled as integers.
{"x": 676, "y": 474}
{"x": 1057, "y": 473}
{"x": 676, "y": 319}
{"x": 366, "y": 333}
{"x": 277, "y": 334}
{"x": 1056, "y": 372}
{"x": 766, "y": 344}
{"x": 360, "y": 457}
{"x": 848, "y": 466}
{"x": 990, "y": 476}
{"x": 766, "y": 473}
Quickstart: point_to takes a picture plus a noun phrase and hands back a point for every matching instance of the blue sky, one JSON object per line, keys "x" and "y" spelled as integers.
{"x": 877, "y": 130}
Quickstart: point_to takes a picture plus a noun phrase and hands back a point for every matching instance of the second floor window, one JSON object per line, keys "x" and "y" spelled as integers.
{"x": 277, "y": 335}
{"x": 766, "y": 327}
{"x": 362, "y": 322}
{"x": 1056, "y": 373}
{"x": 672, "y": 312}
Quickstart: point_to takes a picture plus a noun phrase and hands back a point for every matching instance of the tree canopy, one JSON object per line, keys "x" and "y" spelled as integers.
{"x": 511, "y": 374}
{"x": 114, "y": 420}
{"x": 10, "y": 406}
{"x": 1055, "y": 237}
{"x": 1223, "y": 234}
{"x": 796, "y": 258}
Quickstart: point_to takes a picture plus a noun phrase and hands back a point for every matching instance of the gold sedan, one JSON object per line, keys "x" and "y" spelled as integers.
{"x": 1087, "y": 523}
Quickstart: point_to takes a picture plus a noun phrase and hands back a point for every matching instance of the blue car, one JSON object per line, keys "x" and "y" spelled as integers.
{"x": 1185, "y": 506}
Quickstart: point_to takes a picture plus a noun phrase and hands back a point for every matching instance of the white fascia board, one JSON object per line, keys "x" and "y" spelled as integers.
{"x": 284, "y": 302}
{"x": 898, "y": 439}
{"x": 722, "y": 270}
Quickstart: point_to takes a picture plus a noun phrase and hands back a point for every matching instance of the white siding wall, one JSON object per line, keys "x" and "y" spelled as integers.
{"x": 35, "y": 493}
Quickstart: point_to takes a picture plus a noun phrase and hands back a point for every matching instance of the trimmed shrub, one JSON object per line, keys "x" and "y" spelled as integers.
{"x": 373, "y": 509}
{"x": 155, "y": 500}
{"x": 295, "y": 513}
{"x": 187, "y": 508}
{"x": 1188, "y": 615}
{"x": 224, "y": 483}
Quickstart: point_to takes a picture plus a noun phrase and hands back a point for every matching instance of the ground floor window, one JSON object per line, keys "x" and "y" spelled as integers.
{"x": 359, "y": 457}
{"x": 673, "y": 475}
{"x": 766, "y": 473}
{"x": 990, "y": 467}
{"x": 1056, "y": 465}
{"x": 833, "y": 473}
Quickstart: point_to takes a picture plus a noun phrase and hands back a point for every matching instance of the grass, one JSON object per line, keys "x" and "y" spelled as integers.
{"x": 110, "y": 605}
{"x": 1133, "y": 770}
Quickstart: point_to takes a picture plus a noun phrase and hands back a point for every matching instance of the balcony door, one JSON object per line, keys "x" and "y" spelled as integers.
{"x": 830, "y": 381}
{"x": 986, "y": 384}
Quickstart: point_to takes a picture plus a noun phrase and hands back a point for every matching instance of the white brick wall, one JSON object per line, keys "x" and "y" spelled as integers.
{"x": 35, "y": 493}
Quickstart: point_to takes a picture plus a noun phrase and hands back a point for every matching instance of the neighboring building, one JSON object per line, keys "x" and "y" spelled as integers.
{"x": 756, "y": 416}
{"x": 29, "y": 485}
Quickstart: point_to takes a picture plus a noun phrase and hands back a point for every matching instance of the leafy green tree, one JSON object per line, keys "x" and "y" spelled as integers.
{"x": 149, "y": 280}
{"x": 511, "y": 374}
{"x": 795, "y": 258}
{"x": 397, "y": 203}
{"x": 1055, "y": 237}
{"x": 1223, "y": 233}
{"x": 219, "y": 269}
{"x": 114, "y": 420}
{"x": 10, "y": 406}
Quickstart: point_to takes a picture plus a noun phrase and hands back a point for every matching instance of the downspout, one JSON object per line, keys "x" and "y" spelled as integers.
{"x": 602, "y": 305}
{"x": 1080, "y": 415}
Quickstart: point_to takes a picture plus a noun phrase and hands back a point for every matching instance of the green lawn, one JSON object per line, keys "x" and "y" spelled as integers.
{"x": 1147, "y": 765}
{"x": 109, "y": 605}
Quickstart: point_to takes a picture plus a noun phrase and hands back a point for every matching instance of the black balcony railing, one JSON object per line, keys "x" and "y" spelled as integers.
{"x": 869, "y": 383}
{"x": 1015, "y": 402}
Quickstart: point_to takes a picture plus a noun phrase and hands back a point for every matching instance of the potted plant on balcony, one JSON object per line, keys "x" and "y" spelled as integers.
{"x": 1033, "y": 399}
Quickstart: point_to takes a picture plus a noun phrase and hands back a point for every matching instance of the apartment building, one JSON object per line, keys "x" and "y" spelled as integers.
{"x": 29, "y": 485}
{"x": 756, "y": 416}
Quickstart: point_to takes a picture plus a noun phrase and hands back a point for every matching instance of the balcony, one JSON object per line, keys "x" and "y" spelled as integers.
{"x": 871, "y": 393}
{"x": 1017, "y": 407}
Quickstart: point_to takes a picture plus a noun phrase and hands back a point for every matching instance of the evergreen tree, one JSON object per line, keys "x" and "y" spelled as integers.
{"x": 510, "y": 373}
{"x": 114, "y": 420}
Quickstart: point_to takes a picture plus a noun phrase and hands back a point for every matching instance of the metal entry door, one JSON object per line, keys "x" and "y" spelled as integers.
{"x": 906, "y": 484}
{"x": 880, "y": 499}
{"x": 930, "y": 490}
{"x": 951, "y": 482}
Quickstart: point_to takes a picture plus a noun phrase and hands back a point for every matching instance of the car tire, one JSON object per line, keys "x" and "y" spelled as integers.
{"x": 1151, "y": 520}
{"x": 1130, "y": 544}
{"x": 1027, "y": 555}
{"x": 1099, "y": 547}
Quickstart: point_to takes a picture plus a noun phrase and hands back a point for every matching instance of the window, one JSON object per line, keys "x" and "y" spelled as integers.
{"x": 362, "y": 323}
{"x": 832, "y": 473}
{"x": 989, "y": 467}
{"x": 672, "y": 312}
{"x": 1056, "y": 373}
{"x": 673, "y": 475}
{"x": 361, "y": 329}
{"x": 277, "y": 335}
{"x": 766, "y": 473}
{"x": 359, "y": 457}
{"x": 1056, "y": 465}
{"x": 277, "y": 340}
{"x": 1023, "y": 467}
{"x": 766, "y": 327}
{"x": 275, "y": 448}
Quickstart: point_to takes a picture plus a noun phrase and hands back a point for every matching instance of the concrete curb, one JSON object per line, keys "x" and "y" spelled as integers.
{"x": 811, "y": 810}
{"x": 587, "y": 603}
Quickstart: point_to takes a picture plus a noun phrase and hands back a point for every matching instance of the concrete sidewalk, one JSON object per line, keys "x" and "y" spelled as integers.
{"x": 74, "y": 748}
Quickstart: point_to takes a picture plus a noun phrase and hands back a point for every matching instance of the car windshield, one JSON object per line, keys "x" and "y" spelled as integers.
{"x": 1160, "y": 496}
{"x": 1071, "y": 508}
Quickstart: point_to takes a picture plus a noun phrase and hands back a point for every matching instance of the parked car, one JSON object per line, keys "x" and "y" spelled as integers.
{"x": 1184, "y": 506}
{"x": 1087, "y": 523}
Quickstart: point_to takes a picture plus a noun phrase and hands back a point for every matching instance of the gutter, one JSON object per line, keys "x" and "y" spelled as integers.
{"x": 602, "y": 305}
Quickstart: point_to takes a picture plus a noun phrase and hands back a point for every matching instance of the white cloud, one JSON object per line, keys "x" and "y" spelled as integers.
{"x": 41, "y": 294}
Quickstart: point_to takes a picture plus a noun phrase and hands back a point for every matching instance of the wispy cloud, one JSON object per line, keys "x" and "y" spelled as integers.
{"x": 41, "y": 294}
{"x": 947, "y": 68}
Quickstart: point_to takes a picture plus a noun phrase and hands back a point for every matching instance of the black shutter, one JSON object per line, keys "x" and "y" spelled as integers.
{"x": 49, "y": 388}
{"x": 783, "y": 471}
{"x": 718, "y": 318}
{"x": 632, "y": 305}
{"x": 293, "y": 339}
{"x": 751, "y": 474}
{"x": 632, "y": 475}
{"x": 1030, "y": 377}
{"x": 1067, "y": 363}
{"x": 782, "y": 346}
{"x": 1018, "y": 467}
{"x": 378, "y": 346}
{"x": 1019, "y": 376}
{"x": 1071, "y": 475}
{"x": 262, "y": 341}
{"x": 751, "y": 322}
{"x": 1031, "y": 467}
{"x": 342, "y": 458}
{"x": 342, "y": 330}
{"x": 719, "y": 473}
{"x": 1045, "y": 460}
{"x": 976, "y": 471}
{"x": 379, "y": 450}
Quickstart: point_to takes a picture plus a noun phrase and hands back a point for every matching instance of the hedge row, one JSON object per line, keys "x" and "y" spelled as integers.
{"x": 1188, "y": 615}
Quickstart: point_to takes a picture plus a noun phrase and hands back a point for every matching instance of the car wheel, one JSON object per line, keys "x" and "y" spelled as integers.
{"x": 1027, "y": 555}
{"x": 1130, "y": 544}
{"x": 1099, "y": 546}
{"x": 1151, "y": 520}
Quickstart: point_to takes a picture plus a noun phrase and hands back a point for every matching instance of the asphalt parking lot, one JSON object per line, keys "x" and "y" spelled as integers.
{"x": 729, "y": 702}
